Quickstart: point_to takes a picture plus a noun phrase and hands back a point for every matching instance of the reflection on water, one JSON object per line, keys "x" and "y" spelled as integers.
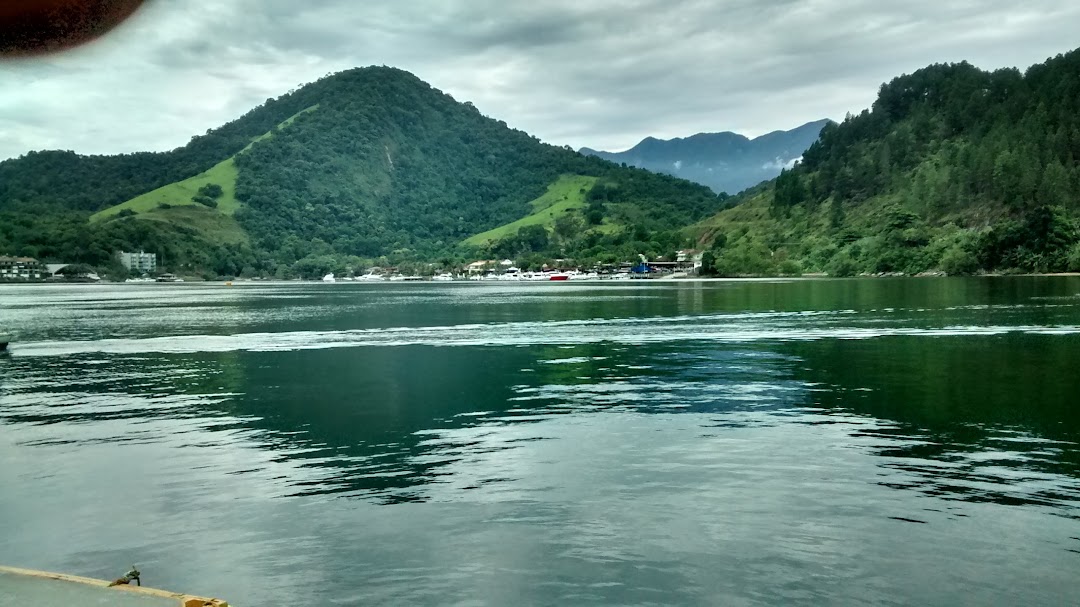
{"x": 753, "y": 443}
{"x": 995, "y": 418}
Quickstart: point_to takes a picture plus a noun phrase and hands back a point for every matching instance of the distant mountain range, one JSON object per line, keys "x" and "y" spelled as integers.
{"x": 726, "y": 162}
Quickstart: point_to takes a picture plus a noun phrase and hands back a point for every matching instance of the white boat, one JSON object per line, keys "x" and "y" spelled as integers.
{"x": 329, "y": 278}
{"x": 371, "y": 277}
{"x": 579, "y": 275}
{"x": 511, "y": 274}
{"x": 444, "y": 277}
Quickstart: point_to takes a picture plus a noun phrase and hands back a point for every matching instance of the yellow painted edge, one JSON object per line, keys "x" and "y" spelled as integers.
{"x": 182, "y": 599}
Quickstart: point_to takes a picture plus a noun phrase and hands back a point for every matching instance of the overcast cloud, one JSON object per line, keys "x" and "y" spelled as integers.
{"x": 597, "y": 73}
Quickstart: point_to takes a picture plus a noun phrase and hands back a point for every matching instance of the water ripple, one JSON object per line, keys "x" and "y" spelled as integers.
{"x": 728, "y": 329}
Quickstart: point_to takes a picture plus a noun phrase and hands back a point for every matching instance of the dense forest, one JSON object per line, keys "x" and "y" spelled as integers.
{"x": 953, "y": 169}
{"x": 384, "y": 167}
{"x": 388, "y": 163}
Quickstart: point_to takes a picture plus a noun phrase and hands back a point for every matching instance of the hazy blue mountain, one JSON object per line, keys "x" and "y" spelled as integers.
{"x": 726, "y": 162}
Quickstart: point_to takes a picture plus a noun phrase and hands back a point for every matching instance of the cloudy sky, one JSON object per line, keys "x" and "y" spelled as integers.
{"x": 597, "y": 73}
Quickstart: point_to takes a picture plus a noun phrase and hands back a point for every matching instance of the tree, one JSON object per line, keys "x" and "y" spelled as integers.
{"x": 211, "y": 190}
{"x": 708, "y": 264}
{"x": 1054, "y": 186}
{"x": 746, "y": 257}
{"x": 568, "y": 226}
{"x": 533, "y": 238}
{"x": 958, "y": 261}
{"x": 842, "y": 265}
{"x": 789, "y": 191}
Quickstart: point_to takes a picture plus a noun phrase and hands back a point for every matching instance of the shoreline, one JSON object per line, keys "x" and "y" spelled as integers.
{"x": 747, "y": 278}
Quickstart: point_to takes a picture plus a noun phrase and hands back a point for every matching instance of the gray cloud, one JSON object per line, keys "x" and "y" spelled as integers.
{"x": 601, "y": 73}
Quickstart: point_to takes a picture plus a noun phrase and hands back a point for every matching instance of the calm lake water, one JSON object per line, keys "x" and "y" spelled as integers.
{"x": 895, "y": 442}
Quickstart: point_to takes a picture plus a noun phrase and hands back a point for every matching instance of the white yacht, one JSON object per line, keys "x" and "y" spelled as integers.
{"x": 576, "y": 275}
{"x": 511, "y": 273}
{"x": 444, "y": 277}
{"x": 329, "y": 278}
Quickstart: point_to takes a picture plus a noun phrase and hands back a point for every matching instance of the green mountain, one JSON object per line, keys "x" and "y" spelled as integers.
{"x": 360, "y": 165}
{"x": 726, "y": 162}
{"x": 952, "y": 169}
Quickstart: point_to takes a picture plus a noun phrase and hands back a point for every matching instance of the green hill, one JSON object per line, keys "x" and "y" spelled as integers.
{"x": 564, "y": 196}
{"x": 952, "y": 169}
{"x": 387, "y": 166}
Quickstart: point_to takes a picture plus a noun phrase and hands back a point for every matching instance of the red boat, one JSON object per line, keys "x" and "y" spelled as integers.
{"x": 559, "y": 277}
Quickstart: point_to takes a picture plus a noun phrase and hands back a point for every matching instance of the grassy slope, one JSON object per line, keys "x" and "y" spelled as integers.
{"x": 213, "y": 226}
{"x": 180, "y": 193}
{"x": 566, "y": 194}
{"x": 752, "y": 214}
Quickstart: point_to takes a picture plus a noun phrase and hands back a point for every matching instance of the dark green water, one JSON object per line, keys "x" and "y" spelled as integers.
{"x": 728, "y": 443}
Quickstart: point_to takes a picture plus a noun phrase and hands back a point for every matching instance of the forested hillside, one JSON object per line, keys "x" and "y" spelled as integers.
{"x": 363, "y": 164}
{"x": 388, "y": 163}
{"x": 952, "y": 169}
